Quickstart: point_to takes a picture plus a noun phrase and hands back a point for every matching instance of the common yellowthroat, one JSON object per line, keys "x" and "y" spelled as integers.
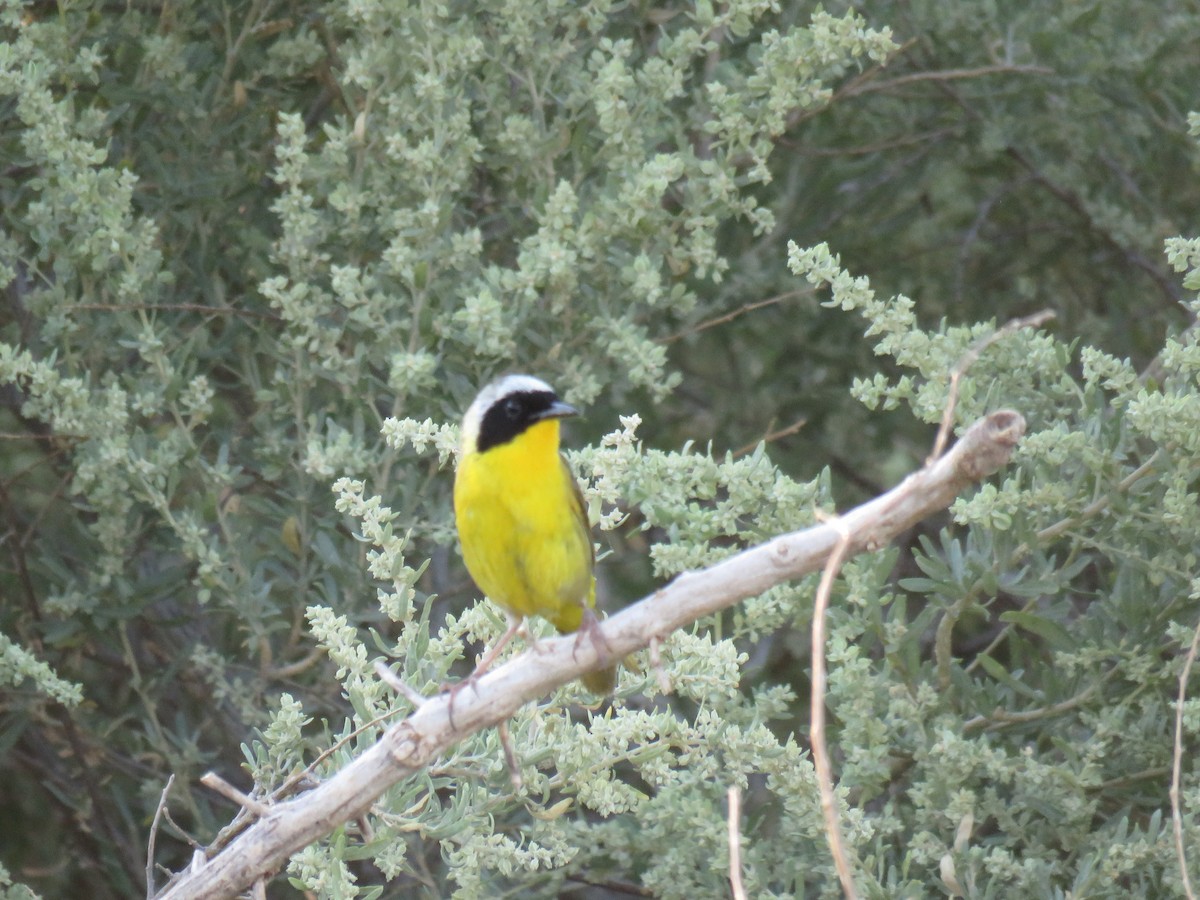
{"x": 521, "y": 520}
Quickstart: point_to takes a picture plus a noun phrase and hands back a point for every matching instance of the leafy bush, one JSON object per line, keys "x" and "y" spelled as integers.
{"x": 251, "y": 254}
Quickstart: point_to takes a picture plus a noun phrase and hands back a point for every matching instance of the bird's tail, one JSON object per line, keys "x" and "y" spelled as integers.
{"x": 601, "y": 681}
{"x": 587, "y": 626}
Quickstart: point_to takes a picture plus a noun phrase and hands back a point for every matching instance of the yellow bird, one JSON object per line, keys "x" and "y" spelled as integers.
{"x": 521, "y": 520}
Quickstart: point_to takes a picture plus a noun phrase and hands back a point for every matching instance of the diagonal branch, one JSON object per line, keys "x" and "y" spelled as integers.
{"x": 414, "y": 743}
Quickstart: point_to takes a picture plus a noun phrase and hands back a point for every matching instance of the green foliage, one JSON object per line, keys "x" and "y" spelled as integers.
{"x": 10, "y": 891}
{"x": 255, "y": 263}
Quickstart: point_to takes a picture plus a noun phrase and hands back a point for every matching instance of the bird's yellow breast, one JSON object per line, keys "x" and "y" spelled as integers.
{"x": 524, "y": 533}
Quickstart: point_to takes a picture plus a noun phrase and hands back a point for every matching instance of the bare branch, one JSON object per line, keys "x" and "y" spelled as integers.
{"x": 1177, "y": 767}
{"x": 816, "y": 731}
{"x": 410, "y": 745}
{"x": 215, "y": 782}
{"x": 158, "y": 812}
{"x": 735, "y": 842}
{"x": 397, "y": 684}
{"x": 968, "y": 359}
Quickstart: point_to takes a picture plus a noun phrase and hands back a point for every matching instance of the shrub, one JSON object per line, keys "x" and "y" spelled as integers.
{"x": 250, "y": 255}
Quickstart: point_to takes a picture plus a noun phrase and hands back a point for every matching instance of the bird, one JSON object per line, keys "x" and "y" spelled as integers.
{"x": 520, "y": 516}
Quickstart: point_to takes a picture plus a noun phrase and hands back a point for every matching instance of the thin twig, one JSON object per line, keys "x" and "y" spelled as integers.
{"x": 924, "y": 137}
{"x": 945, "y": 628}
{"x": 365, "y": 829}
{"x": 820, "y": 751}
{"x": 291, "y": 670}
{"x": 1002, "y": 717}
{"x": 735, "y": 842}
{"x": 1177, "y": 766}
{"x": 966, "y": 361}
{"x": 286, "y": 788}
{"x": 294, "y": 782}
{"x": 730, "y": 316}
{"x": 943, "y": 75}
{"x": 866, "y": 83}
{"x": 1165, "y": 282}
{"x": 162, "y": 802}
{"x": 664, "y": 680}
{"x": 215, "y": 782}
{"x": 510, "y": 756}
{"x": 771, "y": 436}
{"x": 392, "y": 680}
{"x": 1097, "y": 506}
{"x": 735, "y": 823}
{"x": 191, "y": 841}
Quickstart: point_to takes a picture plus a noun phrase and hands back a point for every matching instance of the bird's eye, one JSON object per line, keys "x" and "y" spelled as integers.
{"x": 512, "y": 408}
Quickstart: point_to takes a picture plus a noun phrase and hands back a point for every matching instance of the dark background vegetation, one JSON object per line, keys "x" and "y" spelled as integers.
{"x": 159, "y": 548}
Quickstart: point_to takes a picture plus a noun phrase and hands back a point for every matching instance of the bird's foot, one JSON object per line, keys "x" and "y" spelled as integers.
{"x": 514, "y": 624}
{"x": 590, "y": 628}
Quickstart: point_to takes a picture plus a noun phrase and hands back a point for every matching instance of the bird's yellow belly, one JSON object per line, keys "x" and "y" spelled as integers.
{"x": 522, "y": 538}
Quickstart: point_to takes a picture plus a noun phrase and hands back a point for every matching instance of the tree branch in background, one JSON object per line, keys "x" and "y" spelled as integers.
{"x": 410, "y": 745}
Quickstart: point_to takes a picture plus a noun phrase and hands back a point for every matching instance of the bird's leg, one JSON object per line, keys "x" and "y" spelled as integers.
{"x": 514, "y": 623}
{"x": 532, "y": 641}
{"x": 590, "y": 627}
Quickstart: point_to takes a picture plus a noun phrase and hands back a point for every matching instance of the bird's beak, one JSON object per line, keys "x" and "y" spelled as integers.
{"x": 558, "y": 410}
